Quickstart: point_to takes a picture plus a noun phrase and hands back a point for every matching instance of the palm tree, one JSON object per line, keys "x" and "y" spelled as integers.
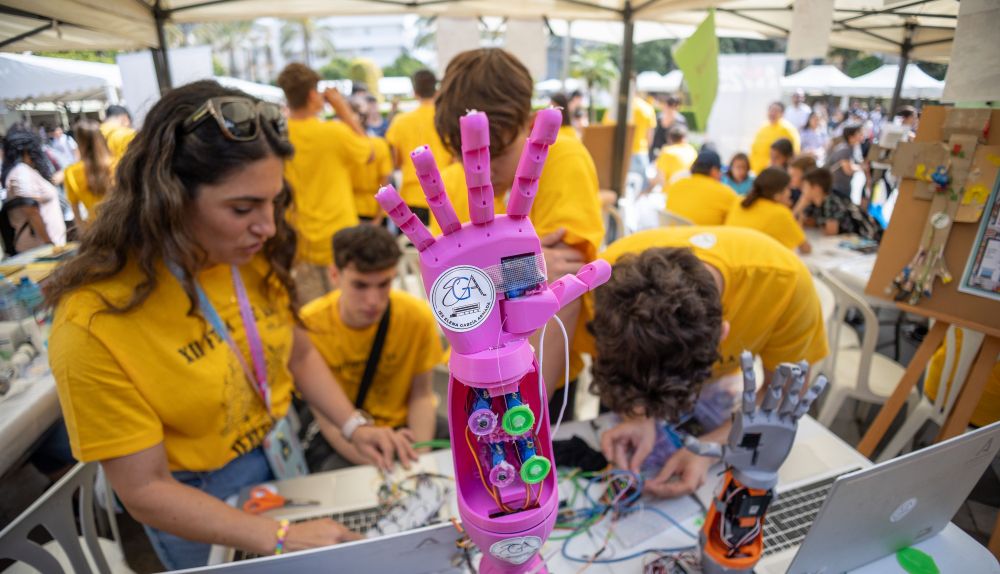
{"x": 226, "y": 36}
{"x": 596, "y": 67}
{"x": 310, "y": 33}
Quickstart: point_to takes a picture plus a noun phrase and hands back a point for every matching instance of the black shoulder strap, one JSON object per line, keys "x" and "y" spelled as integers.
{"x": 373, "y": 358}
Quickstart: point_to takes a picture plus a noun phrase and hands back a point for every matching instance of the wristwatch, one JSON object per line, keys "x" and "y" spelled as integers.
{"x": 358, "y": 418}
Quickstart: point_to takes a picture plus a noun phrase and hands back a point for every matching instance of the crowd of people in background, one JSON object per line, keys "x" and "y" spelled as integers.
{"x": 809, "y": 156}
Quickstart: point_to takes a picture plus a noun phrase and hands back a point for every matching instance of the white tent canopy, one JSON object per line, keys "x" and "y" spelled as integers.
{"x": 37, "y": 79}
{"x": 260, "y": 91}
{"x": 816, "y": 79}
{"x": 651, "y": 82}
{"x": 612, "y": 32}
{"x": 880, "y": 83}
{"x": 859, "y": 24}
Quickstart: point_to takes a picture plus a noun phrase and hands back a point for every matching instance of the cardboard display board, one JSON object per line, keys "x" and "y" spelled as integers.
{"x": 600, "y": 142}
{"x": 903, "y": 236}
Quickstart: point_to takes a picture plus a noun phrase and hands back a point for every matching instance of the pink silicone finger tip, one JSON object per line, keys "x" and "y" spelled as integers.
{"x": 475, "y": 129}
{"x": 547, "y": 124}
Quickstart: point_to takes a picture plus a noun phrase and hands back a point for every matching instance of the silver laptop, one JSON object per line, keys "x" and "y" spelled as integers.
{"x": 351, "y": 497}
{"x": 428, "y": 550}
{"x": 876, "y": 511}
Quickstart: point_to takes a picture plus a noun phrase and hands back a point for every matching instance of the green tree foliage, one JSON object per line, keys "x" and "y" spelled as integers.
{"x": 655, "y": 56}
{"x": 336, "y": 69}
{"x": 103, "y": 56}
{"x": 303, "y": 36}
{"x": 862, "y": 66}
{"x": 596, "y": 67}
{"x": 404, "y": 65}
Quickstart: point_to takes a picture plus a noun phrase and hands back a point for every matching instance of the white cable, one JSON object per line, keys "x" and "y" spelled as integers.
{"x": 562, "y": 410}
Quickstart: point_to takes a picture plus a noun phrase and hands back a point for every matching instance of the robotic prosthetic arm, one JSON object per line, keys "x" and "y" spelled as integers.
{"x": 732, "y": 540}
{"x": 486, "y": 283}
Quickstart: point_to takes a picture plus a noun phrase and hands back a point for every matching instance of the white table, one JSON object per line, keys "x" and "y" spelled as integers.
{"x": 28, "y": 409}
{"x": 953, "y": 550}
{"x": 827, "y": 252}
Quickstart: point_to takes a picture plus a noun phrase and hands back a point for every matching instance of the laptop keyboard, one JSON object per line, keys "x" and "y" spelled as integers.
{"x": 790, "y": 517}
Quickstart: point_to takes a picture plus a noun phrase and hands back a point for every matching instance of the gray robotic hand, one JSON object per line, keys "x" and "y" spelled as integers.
{"x": 762, "y": 437}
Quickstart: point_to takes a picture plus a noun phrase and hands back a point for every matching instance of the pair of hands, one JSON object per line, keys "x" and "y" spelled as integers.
{"x": 627, "y": 446}
{"x": 381, "y": 446}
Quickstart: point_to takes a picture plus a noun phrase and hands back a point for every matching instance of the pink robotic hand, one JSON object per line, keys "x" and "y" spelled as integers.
{"x": 486, "y": 279}
{"x": 487, "y": 287}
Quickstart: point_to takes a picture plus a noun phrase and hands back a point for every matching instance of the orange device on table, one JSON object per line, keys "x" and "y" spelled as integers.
{"x": 263, "y": 499}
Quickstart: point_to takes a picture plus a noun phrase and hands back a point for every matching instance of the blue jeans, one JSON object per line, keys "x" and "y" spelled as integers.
{"x": 175, "y": 552}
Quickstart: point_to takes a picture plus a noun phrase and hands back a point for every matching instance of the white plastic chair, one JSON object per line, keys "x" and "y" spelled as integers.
{"x": 958, "y": 357}
{"x": 409, "y": 278}
{"x": 69, "y": 551}
{"x": 610, "y": 214}
{"x": 670, "y": 219}
{"x": 861, "y": 373}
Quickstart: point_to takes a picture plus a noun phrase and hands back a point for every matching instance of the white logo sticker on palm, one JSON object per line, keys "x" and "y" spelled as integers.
{"x": 462, "y": 298}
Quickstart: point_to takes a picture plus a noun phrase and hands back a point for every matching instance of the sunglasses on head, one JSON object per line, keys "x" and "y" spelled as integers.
{"x": 239, "y": 118}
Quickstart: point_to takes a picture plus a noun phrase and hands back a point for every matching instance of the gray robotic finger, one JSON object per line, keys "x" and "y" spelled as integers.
{"x": 749, "y": 383}
{"x": 815, "y": 391}
{"x": 794, "y": 390}
{"x": 774, "y": 392}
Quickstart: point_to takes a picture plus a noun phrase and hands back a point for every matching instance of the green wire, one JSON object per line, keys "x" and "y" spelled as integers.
{"x": 436, "y": 443}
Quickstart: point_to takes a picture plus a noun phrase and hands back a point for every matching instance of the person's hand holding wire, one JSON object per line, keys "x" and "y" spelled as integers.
{"x": 629, "y": 443}
{"x": 384, "y": 445}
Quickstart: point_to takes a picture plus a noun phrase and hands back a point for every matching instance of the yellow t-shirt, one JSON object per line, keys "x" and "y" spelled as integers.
{"x": 320, "y": 177}
{"x": 768, "y": 295}
{"x": 760, "y": 152}
{"x": 769, "y": 217}
{"x": 567, "y": 132}
{"x": 644, "y": 118}
{"x": 412, "y": 347}
{"x": 674, "y": 159}
{"x": 129, "y": 382}
{"x": 567, "y": 197}
{"x": 77, "y": 189}
{"x": 701, "y": 199}
{"x": 407, "y": 132}
{"x": 366, "y": 179}
{"x": 118, "y": 138}
{"x": 988, "y": 409}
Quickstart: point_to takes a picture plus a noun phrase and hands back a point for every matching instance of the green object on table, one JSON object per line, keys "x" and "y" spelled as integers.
{"x": 915, "y": 561}
{"x": 436, "y": 443}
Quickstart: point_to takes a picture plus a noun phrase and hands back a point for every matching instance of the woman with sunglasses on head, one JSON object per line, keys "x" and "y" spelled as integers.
{"x": 175, "y": 342}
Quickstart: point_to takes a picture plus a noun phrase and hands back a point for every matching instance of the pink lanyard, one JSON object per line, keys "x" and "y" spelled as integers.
{"x": 258, "y": 375}
{"x": 253, "y": 341}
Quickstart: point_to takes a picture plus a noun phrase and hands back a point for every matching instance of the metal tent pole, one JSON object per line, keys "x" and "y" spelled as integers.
{"x": 621, "y": 147}
{"x": 904, "y": 61}
{"x": 161, "y": 61}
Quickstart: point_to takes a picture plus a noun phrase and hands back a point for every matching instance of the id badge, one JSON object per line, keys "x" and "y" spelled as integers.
{"x": 284, "y": 452}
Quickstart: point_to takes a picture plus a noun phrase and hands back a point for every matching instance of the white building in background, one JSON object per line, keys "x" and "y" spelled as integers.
{"x": 378, "y": 38}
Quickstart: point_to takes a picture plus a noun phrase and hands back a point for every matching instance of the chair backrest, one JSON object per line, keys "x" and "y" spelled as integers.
{"x": 960, "y": 352}
{"x": 612, "y": 215}
{"x": 846, "y": 300}
{"x": 54, "y": 512}
{"x": 670, "y": 219}
{"x": 8, "y": 233}
{"x": 410, "y": 279}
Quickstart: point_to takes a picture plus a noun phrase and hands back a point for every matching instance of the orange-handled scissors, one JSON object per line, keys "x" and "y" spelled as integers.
{"x": 263, "y": 499}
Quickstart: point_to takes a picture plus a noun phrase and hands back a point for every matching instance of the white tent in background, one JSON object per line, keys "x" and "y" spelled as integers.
{"x": 260, "y": 91}
{"x": 395, "y": 86}
{"x": 816, "y": 79}
{"x": 34, "y": 79}
{"x": 652, "y": 82}
{"x": 551, "y": 86}
{"x": 880, "y": 83}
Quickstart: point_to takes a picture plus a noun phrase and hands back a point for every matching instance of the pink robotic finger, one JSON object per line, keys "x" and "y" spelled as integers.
{"x": 430, "y": 182}
{"x": 404, "y": 219}
{"x": 529, "y": 168}
{"x": 476, "y": 159}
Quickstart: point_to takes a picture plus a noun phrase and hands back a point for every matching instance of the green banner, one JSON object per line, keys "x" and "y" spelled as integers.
{"x": 698, "y": 58}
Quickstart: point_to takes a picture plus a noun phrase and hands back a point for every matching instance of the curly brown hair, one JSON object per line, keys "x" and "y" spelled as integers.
{"x": 489, "y": 80}
{"x": 657, "y": 327}
{"x": 146, "y": 217}
{"x": 368, "y": 247}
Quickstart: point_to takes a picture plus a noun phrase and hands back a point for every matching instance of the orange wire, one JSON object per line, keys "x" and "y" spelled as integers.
{"x": 482, "y": 477}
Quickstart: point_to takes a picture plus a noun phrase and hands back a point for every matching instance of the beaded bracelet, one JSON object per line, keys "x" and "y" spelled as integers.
{"x": 282, "y": 533}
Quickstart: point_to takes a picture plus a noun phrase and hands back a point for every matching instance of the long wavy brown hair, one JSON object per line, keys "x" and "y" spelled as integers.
{"x": 147, "y": 218}
{"x": 95, "y": 155}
